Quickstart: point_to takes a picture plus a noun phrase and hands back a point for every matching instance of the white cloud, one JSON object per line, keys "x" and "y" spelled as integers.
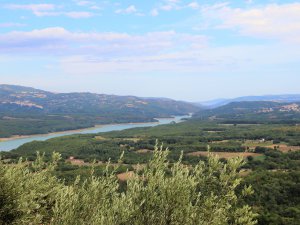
{"x": 89, "y": 4}
{"x": 173, "y": 1}
{"x": 193, "y": 5}
{"x": 32, "y": 7}
{"x": 47, "y": 13}
{"x": 84, "y": 3}
{"x": 199, "y": 59}
{"x": 169, "y": 5}
{"x": 6, "y": 25}
{"x": 169, "y": 51}
{"x": 77, "y": 15}
{"x": 273, "y": 21}
{"x": 41, "y": 10}
{"x": 154, "y": 12}
{"x": 95, "y": 7}
{"x": 73, "y": 14}
{"x": 211, "y": 8}
{"x": 160, "y": 48}
{"x": 129, "y": 10}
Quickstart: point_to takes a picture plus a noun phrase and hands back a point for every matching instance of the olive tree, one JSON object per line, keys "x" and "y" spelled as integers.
{"x": 162, "y": 193}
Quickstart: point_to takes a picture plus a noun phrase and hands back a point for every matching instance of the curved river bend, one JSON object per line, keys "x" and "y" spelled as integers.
{"x": 15, "y": 143}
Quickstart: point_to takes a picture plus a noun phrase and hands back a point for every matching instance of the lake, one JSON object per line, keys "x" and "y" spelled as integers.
{"x": 15, "y": 143}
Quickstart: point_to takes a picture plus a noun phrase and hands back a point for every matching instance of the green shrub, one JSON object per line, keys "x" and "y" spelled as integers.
{"x": 163, "y": 193}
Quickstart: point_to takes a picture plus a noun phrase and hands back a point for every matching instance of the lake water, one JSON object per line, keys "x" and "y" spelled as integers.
{"x": 12, "y": 144}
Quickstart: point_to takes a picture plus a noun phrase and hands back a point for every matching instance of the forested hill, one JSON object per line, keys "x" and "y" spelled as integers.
{"x": 25, "y": 110}
{"x": 288, "y": 98}
{"x": 256, "y": 111}
{"x": 20, "y": 99}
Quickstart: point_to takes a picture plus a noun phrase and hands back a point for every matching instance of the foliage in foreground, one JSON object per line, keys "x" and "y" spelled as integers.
{"x": 162, "y": 193}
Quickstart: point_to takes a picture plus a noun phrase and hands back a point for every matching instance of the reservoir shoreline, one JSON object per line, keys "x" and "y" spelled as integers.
{"x": 8, "y": 144}
{"x": 16, "y": 137}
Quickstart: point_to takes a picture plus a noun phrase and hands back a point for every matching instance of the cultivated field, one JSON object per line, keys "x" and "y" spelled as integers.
{"x": 285, "y": 148}
{"x": 226, "y": 155}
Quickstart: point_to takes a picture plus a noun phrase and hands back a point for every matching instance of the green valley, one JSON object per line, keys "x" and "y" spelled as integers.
{"x": 267, "y": 140}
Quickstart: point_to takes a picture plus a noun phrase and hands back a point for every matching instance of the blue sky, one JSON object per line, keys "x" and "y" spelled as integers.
{"x": 186, "y": 50}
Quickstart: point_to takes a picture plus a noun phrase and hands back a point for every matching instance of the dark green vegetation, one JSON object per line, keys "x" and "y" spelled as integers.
{"x": 189, "y": 136}
{"x": 271, "y": 139}
{"x": 276, "y": 196}
{"x": 270, "y": 98}
{"x": 274, "y": 175}
{"x": 254, "y": 112}
{"x": 163, "y": 193}
{"x": 25, "y": 111}
{"x": 41, "y": 124}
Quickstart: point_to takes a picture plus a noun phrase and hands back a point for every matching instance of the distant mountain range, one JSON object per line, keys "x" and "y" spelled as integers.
{"x": 274, "y": 98}
{"x": 25, "y": 110}
{"x": 253, "y": 111}
{"x": 17, "y": 99}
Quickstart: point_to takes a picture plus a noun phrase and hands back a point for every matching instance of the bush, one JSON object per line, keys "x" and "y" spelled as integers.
{"x": 163, "y": 193}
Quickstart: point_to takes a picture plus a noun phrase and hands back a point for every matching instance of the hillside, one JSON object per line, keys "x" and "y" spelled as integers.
{"x": 256, "y": 111}
{"x": 18, "y": 99}
{"x": 274, "y": 98}
{"x": 25, "y": 110}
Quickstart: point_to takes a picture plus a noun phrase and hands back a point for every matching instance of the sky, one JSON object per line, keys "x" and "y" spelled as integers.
{"x": 181, "y": 49}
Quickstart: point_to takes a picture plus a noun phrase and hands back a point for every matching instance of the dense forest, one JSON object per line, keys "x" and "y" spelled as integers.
{"x": 29, "y": 124}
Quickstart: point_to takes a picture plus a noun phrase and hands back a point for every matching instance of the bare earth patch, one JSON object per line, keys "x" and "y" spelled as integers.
{"x": 226, "y": 155}
{"x": 223, "y": 141}
{"x": 77, "y": 162}
{"x": 131, "y": 139}
{"x": 244, "y": 172}
{"x": 285, "y": 148}
{"x": 214, "y": 131}
{"x": 100, "y": 138}
{"x": 143, "y": 151}
{"x": 125, "y": 176}
{"x": 139, "y": 167}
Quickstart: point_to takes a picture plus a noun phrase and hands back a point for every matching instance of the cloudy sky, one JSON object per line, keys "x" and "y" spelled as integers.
{"x": 182, "y": 49}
